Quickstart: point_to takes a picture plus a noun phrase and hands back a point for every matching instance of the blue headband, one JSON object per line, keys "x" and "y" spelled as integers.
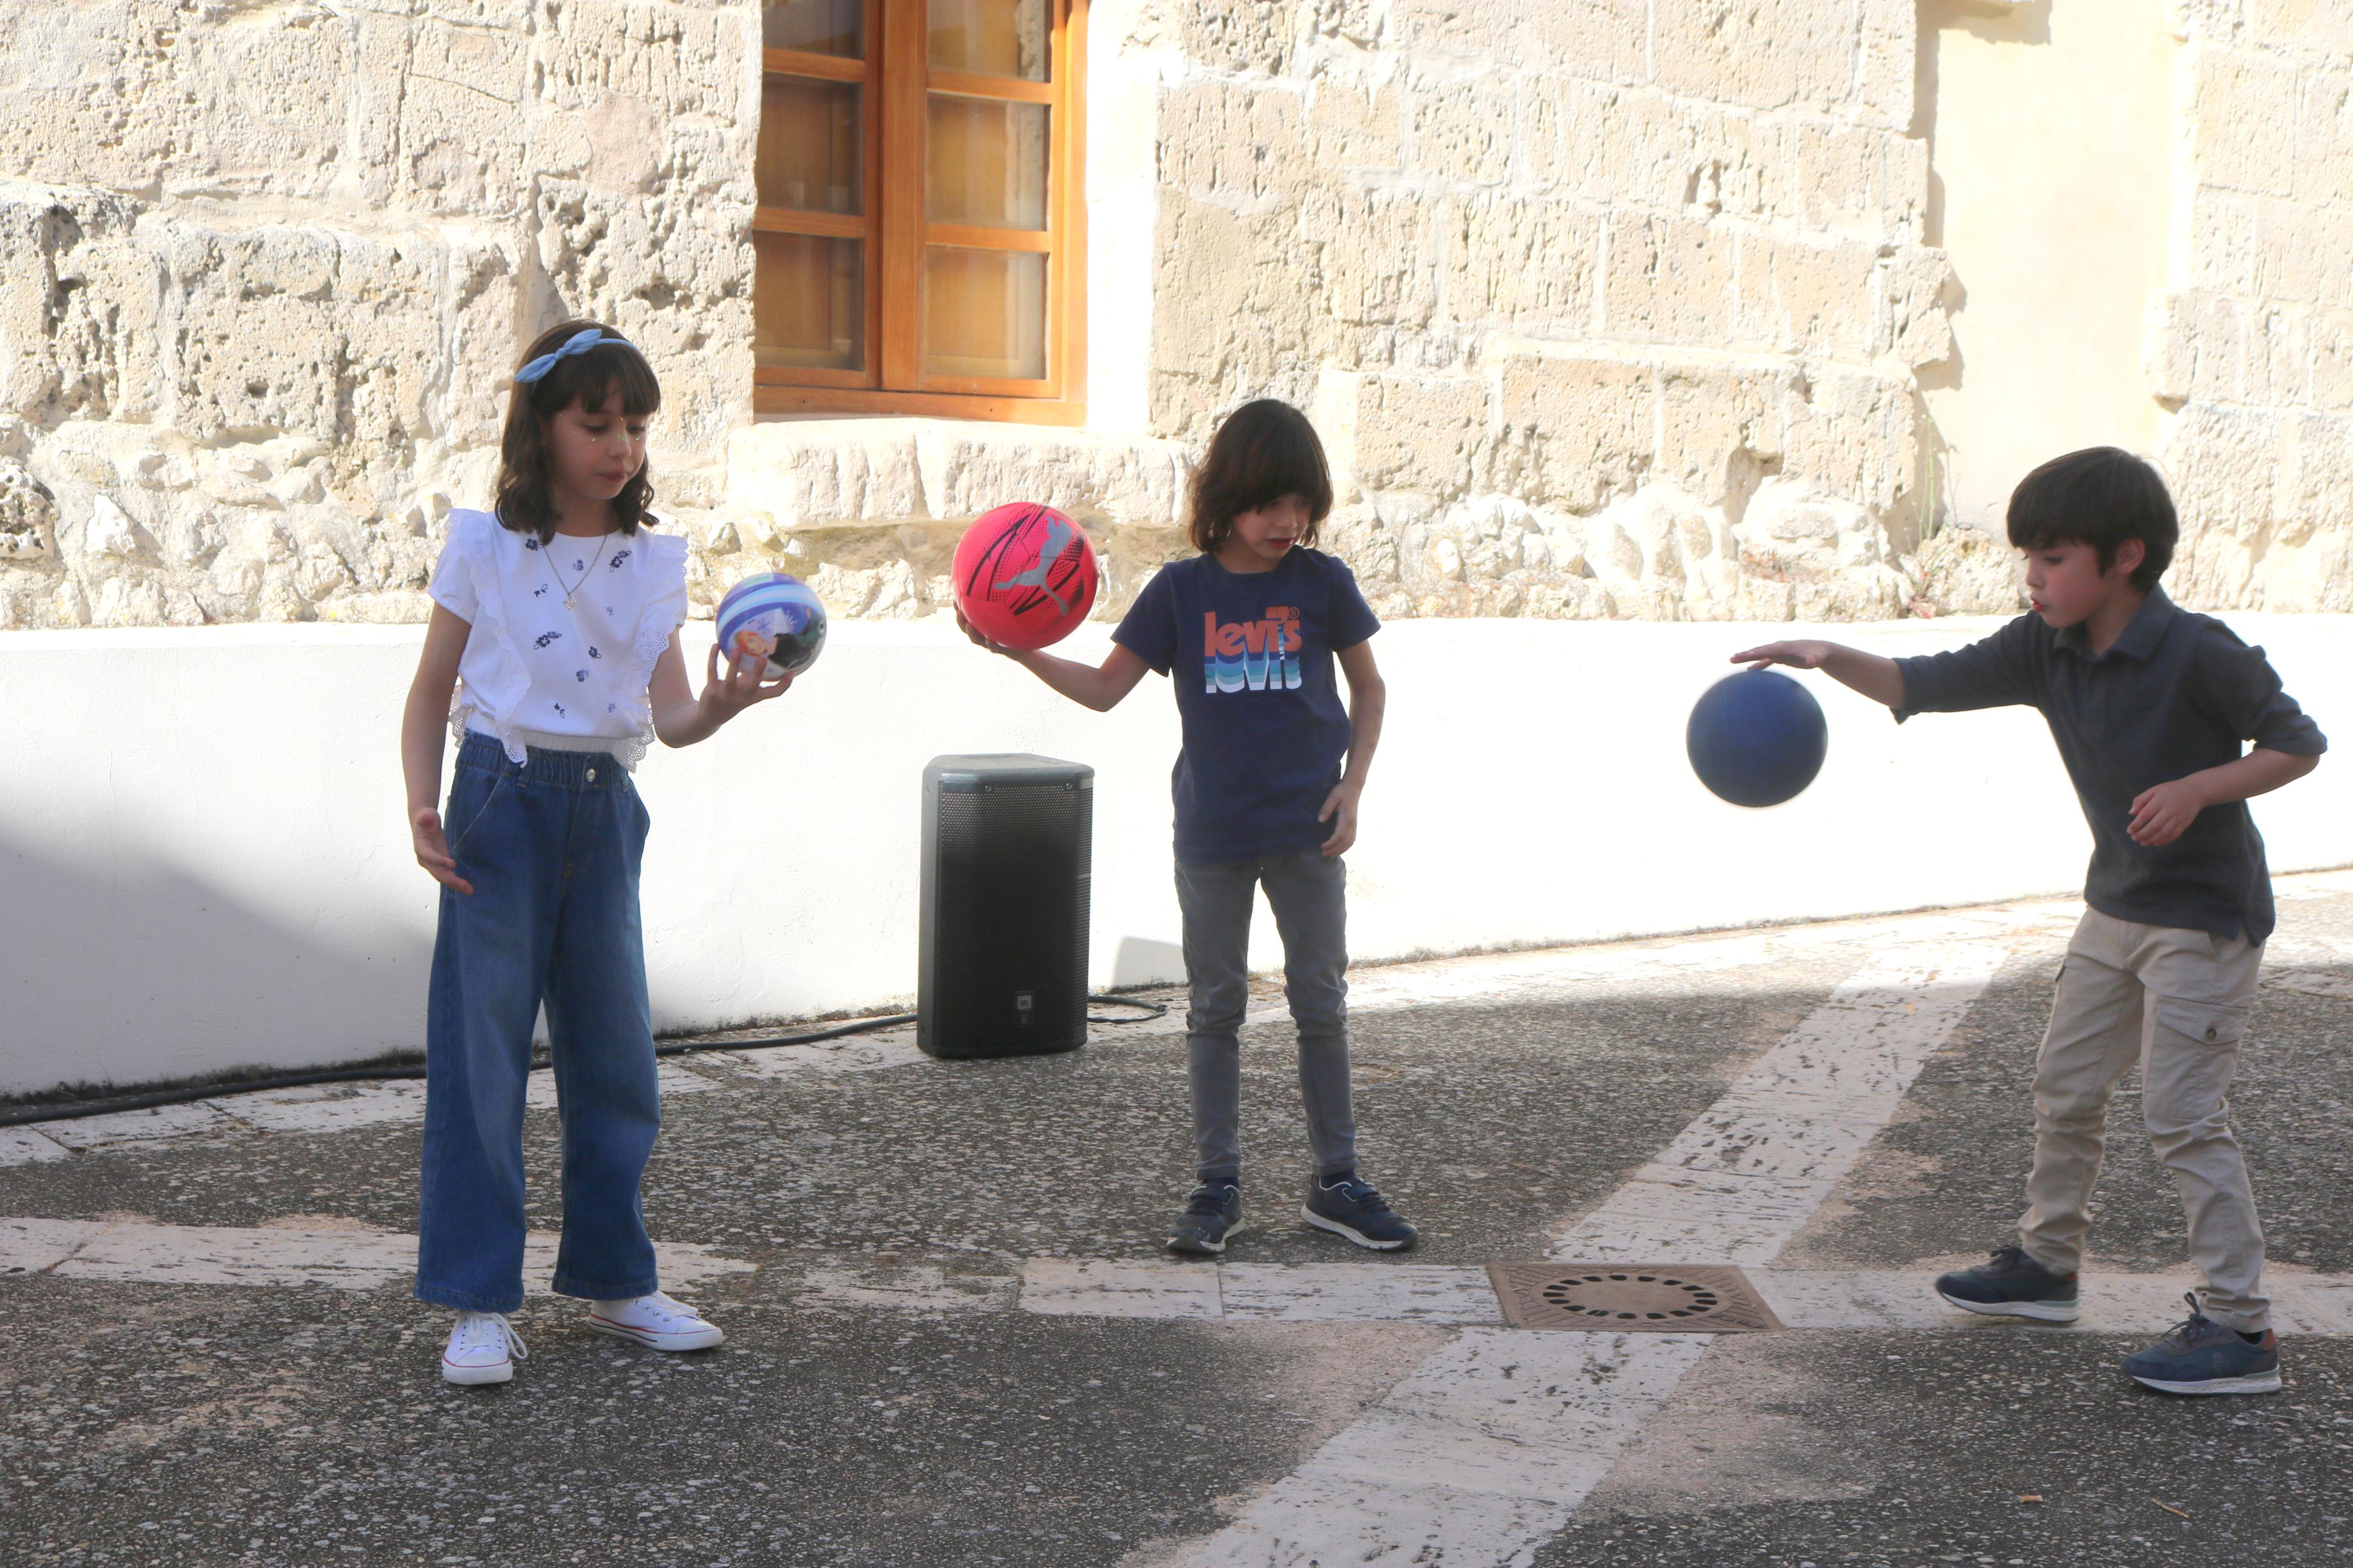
{"x": 579, "y": 343}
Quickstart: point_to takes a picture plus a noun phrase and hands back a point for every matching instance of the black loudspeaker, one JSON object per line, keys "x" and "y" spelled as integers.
{"x": 1008, "y": 852}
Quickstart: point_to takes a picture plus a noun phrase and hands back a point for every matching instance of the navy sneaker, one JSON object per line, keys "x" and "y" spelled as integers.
{"x": 2201, "y": 1356}
{"x": 1215, "y": 1209}
{"x": 1347, "y": 1207}
{"x": 2011, "y": 1285}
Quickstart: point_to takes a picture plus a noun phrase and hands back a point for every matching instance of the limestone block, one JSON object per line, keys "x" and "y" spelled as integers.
{"x": 1723, "y": 426}
{"x": 2224, "y": 256}
{"x": 968, "y": 468}
{"x": 1243, "y": 36}
{"x": 1521, "y": 262}
{"x": 1668, "y": 280}
{"x": 1419, "y": 434}
{"x": 1374, "y": 255}
{"x": 1909, "y": 320}
{"x": 78, "y": 306}
{"x": 2191, "y": 347}
{"x": 126, "y": 94}
{"x": 1674, "y": 154}
{"x": 2264, "y": 519}
{"x": 2223, "y": 462}
{"x": 1888, "y": 63}
{"x": 1603, "y": 39}
{"x": 2303, "y": 253}
{"x": 29, "y": 515}
{"x": 1461, "y": 126}
{"x": 1811, "y": 296}
{"x": 1584, "y": 423}
{"x": 1860, "y": 181}
{"x": 1230, "y": 141}
{"x": 1769, "y": 54}
{"x": 2331, "y": 368}
{"x": 2239, "y": 138}
{"x": 2316, "y": 25}
{"x": 1215, "y": 272}
{"x": 2317, "y": 497}
{"x": 1855, "y": 437}
{"x": 1967, "y": 571}
{"x": 2323, "y": 137}
{"x": 1354, "y": 124}
{"x": 299, "y": 330}
{"x": 800, "y": 473}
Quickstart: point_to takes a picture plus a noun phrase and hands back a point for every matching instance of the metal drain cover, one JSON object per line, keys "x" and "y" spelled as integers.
{"x": 1630, "y": 1297}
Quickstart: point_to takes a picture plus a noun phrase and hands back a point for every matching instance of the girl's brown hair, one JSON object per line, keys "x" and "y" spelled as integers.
{"x": 593, "y": 377}
{"x": 1265, "y": 451}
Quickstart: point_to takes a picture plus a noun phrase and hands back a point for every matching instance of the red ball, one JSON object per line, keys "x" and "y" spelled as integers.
{"x": 1025, "y": 575}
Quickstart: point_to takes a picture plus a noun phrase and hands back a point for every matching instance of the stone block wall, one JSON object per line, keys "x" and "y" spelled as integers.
{"x": 2253, "y": 348}
{"x": 264, "y": 266}
{"x": 1604, "y": 308}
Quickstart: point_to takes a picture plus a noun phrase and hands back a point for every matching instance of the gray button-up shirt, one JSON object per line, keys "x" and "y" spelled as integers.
{"x": 2174, "y": 694}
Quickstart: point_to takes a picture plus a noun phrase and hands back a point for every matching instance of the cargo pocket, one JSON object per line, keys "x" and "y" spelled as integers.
{"x": 2208, "y": 1023}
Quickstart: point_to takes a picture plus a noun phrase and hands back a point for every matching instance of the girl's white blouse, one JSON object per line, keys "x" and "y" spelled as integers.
{"x": 537, "y": 674}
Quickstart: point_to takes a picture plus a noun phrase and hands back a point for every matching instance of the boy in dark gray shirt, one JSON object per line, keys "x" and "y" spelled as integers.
{"x": 2148, "y": 704}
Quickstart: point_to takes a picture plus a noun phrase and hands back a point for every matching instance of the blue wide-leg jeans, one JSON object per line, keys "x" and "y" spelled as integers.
{"x": 552, "y": 848}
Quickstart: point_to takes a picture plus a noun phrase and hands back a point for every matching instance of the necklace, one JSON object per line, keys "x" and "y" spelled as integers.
{"x": 571, "y": 588}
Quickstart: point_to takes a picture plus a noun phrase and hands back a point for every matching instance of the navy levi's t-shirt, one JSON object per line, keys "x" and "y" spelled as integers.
{"x": 1266, "y": 733}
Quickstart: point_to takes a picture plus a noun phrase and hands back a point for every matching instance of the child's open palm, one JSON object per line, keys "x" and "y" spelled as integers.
{"x": 433, "y": 849}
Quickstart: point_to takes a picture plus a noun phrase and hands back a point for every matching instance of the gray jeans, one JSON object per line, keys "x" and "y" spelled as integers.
{"x": 1308, "y": 896}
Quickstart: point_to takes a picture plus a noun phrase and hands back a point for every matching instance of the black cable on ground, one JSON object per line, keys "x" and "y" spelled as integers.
{"x": 29, "y": 1115}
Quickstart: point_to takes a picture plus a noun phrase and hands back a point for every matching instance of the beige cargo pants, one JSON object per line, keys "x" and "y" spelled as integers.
{"x": 2176, "y": 1002}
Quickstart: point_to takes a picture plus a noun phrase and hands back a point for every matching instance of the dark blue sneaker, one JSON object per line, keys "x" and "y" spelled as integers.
{"x": 1346, "y": 1206}
{"x": 2011, "y": 1285}
{"x": 1215, "y": 1209}
{"x": 2201, "y": 1356}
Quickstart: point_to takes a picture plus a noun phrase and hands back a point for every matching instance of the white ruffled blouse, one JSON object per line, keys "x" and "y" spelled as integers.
{"x": 536, "y": 673}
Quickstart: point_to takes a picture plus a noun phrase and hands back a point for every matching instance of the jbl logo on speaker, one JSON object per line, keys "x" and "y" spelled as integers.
{"x": 1025, "y": 1002}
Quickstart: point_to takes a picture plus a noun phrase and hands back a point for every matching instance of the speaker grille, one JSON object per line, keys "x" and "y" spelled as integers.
{"x": 1006, "y": 913}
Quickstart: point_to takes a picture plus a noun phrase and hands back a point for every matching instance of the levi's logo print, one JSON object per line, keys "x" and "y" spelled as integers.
{"x": 1252, "y": 656}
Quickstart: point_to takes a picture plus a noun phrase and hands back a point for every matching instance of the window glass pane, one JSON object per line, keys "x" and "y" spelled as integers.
{"x": 984, "y": 314}
{"x": 813, "y": 27}
{"x": 992, "y": 37}
{"x": 808, "y": 145}
{"x": 808, "y": 301}
{"x": 987, "y": 162}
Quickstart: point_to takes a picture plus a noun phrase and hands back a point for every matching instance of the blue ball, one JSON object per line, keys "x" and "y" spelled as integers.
{"x": 1756, "y": 738}
{"x": 772, "y": 614}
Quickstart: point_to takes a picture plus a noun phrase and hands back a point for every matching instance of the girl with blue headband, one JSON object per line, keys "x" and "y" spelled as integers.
{"x": 552, "y": 655}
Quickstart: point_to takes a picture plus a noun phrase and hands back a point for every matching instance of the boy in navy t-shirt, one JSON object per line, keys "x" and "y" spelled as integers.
{"x": 1266, "y": 792}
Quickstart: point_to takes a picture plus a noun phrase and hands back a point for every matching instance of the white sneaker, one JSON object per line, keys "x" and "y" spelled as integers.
{"x": 483, "y": 1347}
{"x": 655, "y": 1320}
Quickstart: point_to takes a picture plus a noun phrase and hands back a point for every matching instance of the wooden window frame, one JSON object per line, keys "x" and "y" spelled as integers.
{"x": 898, "y": 82}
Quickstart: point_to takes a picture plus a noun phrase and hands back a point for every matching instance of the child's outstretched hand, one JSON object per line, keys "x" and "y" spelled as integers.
{"x": 740, "y": 686}
{"x": 1796, "y": 655}
{"x": 2163, "y": 812}
{"x": 433, "y": 849}
{"x": 1340, "y": 811}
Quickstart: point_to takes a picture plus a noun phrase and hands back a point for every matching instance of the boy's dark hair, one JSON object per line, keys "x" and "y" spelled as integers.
{"x": 1265, "y": 451}
{"x": 593, "y": 377}
{"x": 2101, "y": 497}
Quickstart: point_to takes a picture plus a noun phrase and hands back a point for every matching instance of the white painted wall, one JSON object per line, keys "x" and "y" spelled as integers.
{"x": 203, "y": 864}
{"x": 2051, "y": 139}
